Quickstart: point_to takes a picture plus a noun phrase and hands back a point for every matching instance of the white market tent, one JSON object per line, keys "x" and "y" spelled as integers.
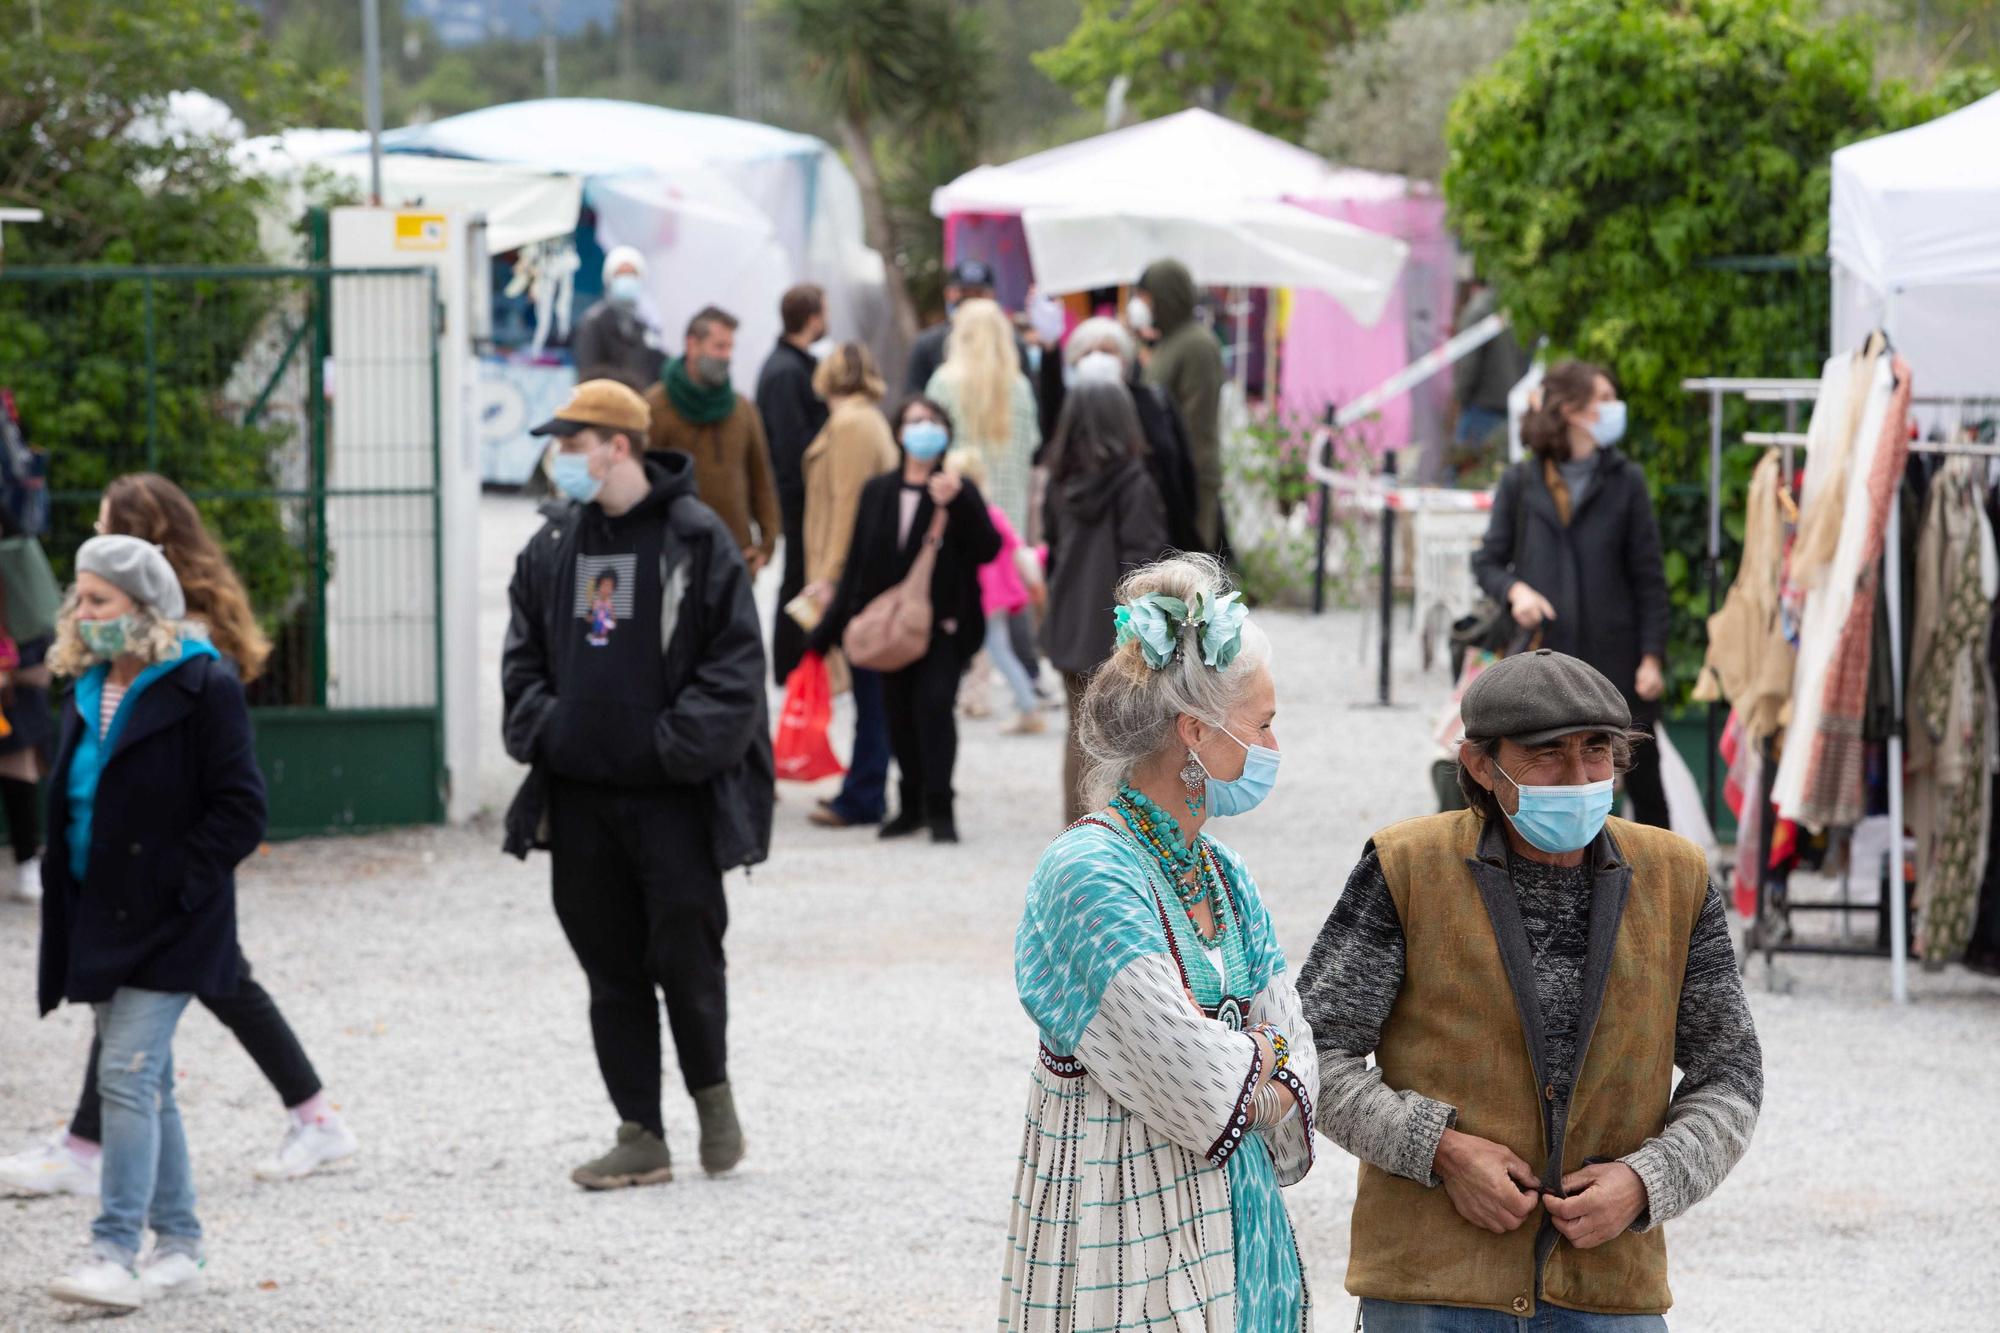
{"x": 1199, "y": 187}
{"x": 1915, "y": 244}
{"x": 728, "y": 212}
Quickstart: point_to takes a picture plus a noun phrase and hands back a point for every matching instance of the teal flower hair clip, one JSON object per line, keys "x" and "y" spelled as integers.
{"x": 1157, "y": 621}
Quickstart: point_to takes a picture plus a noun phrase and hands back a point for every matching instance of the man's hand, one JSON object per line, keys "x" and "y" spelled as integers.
{"x": 1602, "y": 1202}
{"x": 756, "y": 559}
{"x": 1651, "y": 682}
{"x": 944, "y": 487}
{"x": 1530, "y": 608}
{"x": 1488, "y": 1183}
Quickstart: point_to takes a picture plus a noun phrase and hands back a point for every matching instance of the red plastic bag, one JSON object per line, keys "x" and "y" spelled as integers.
{"x": 801, "y": 751}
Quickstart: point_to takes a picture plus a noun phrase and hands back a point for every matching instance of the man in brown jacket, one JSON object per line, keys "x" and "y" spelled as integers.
{"x": 1527, "y": 974}
{"x": 696, "y": 411}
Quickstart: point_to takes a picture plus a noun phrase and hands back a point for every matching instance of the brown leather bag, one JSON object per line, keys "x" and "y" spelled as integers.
{"x": 894, "y": 629}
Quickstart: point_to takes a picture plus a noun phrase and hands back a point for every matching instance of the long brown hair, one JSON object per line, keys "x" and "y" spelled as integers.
{"x": 1569, "y": 387}
{"x": 148, "y": 506}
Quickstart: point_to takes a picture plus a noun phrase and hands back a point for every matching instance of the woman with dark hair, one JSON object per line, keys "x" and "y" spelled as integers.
{"x": 892, "y": 522}
{"x": 148, "y": 506}
{"x": 1574, "y": 552}
{"x": 1104, "y": 518}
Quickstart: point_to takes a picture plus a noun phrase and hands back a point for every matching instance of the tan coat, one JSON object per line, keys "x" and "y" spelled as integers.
{"x": 732, "y": 467}
{"x": 852, "y": 447}
{"x": 1457, "y": 1034}
{"x": 1749, "y": 660}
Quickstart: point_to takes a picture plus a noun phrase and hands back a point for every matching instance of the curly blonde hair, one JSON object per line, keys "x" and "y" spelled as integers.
{"x": 981, "y": 364}
{"x": 157, "y": 640}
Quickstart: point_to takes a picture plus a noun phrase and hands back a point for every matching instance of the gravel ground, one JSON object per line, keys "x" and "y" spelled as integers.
{"x": 880, "y": 1061}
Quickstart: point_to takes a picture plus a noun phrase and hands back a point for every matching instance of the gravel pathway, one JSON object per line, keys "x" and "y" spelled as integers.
{"x": 880, "y": 1060}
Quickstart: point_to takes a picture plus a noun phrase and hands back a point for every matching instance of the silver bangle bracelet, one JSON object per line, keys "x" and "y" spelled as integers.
{"x": 1268, "y": 1107}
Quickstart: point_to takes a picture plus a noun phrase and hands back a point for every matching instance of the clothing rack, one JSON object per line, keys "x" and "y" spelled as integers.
{"x": 1790, "y": 393}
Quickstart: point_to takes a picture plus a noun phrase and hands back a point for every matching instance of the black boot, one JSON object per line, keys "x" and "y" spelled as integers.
{"x": 943, "y": 827}
{"x": 909, "y": 816}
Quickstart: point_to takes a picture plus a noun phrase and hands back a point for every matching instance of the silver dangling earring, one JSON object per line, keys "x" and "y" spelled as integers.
{"x": 1195, "y": 778}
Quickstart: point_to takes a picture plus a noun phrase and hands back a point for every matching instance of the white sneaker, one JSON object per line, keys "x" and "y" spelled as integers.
{"x": 307, "y": 1148}
{"x": 48, "y": 1168}
{"x": 28, "y": 888}
{"x": 173, "y": 1274}
{"x": 100, "y": 1281}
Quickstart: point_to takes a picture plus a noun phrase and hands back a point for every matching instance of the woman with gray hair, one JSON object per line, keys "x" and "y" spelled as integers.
{"x": 1100, "y": 349}
{"x": 154, "y": 800}
{"x": 1173, "y": 1094}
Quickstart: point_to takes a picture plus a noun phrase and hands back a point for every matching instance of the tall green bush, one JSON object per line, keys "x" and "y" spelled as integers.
{"x": 1611, "y": 166}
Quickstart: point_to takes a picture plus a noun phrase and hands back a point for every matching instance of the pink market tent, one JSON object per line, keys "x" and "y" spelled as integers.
{"x": 1200, "y": 163}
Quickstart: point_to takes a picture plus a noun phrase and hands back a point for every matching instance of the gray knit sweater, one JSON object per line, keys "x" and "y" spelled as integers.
{"x": 1350, "y": 983}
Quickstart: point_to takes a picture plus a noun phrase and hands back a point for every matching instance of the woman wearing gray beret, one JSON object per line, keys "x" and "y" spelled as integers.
{"x": 154, "y": 801}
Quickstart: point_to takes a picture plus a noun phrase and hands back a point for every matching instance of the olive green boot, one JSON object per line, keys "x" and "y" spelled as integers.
{"x": 640, "y": 1158}
{"x": 721, "y": 1136}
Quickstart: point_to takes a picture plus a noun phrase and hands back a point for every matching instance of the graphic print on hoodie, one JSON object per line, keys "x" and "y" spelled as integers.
{"x": 610, "y": 681}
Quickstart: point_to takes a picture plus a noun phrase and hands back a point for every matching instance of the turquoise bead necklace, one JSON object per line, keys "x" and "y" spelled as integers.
{"x": 1187, "y": 868}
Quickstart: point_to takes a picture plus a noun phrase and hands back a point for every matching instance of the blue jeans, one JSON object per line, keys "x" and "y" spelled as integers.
{"x": 1000, "y": 652}
{"x": 863, "y": 798}
{"x": 146, "y": 1178}
{"x": 1401, "y": 1317}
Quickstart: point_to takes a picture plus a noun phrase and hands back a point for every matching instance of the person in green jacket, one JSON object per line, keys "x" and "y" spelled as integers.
{"x": 1186, "y": 361}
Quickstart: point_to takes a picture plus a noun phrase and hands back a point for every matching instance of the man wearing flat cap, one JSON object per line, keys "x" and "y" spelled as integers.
{"x": 633, "y": 680}
{"x": 1527, "y": 974}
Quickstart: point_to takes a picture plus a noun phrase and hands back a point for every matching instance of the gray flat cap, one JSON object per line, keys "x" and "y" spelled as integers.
{"x": 136, "y": 568}
{"x": 1537, "y": 697}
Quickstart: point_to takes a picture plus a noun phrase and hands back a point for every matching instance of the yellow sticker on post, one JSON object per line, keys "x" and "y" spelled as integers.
{"x": 420, "y": 231}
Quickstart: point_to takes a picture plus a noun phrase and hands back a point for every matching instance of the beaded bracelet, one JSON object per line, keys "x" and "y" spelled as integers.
{"x": 1281, "y": 1049}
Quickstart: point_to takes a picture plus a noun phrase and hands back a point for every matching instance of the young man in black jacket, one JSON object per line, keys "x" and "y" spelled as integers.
{"x": 633, "y": 676}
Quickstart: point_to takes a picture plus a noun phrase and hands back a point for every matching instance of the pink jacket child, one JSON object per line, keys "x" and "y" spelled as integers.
{"x": 1001, "y": 591}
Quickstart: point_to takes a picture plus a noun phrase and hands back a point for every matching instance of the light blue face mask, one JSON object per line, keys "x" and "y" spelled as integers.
{"x": 1609, "y": 428}
{"x": 1561, "y": 819}
{"x": 625, "y": 289}
{"x": 571, "y": 475}
{"x": 1239, "y": 796}
{"x": 925, "y": 441}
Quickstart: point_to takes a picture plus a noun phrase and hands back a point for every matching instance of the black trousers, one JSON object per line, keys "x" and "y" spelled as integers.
{"x": 23, "y": 803}
{"x": 1644, "y": 785}
{"x": 788, "y": 640}
{"x": 921, "y": 702}
{"x": 640, "y": 898}
{"x": 253, "y": 1016}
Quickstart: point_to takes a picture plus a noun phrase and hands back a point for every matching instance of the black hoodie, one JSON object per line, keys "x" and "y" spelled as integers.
{"x": 1101, "y": 526}
{"x": 634, "y": 659}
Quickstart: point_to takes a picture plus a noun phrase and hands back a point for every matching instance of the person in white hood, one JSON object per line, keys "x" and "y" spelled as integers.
{"x": 613, "y": 340}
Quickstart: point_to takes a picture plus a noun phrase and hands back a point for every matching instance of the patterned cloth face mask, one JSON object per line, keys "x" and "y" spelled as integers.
{"x": 106, "y": 639}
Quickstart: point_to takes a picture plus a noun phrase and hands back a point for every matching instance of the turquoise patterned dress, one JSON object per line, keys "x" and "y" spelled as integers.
{"x": 1144, "y": 1198}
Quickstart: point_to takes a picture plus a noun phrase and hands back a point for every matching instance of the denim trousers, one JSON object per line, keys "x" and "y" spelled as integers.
{"x": 863, "y": 797}
{"x": 1402, "y": 1317}
{"x": 146, "y": 1178}
{"x": 1000, "y": 651}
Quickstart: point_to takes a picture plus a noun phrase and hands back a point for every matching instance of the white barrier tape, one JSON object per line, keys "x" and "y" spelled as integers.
{"x": 1421, "y": 369}
{"x": 1373, "y": 495}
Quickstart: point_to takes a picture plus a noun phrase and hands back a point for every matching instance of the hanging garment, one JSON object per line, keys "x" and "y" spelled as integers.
{"x": 1951, "y": 693}
{"x": 1818, "y": 781}
{"x": 1833, "y": 796}
{"x": 1749, "y": 662}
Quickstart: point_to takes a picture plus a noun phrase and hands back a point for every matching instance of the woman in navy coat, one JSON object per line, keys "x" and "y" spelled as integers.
{"x": 154, "y": 800}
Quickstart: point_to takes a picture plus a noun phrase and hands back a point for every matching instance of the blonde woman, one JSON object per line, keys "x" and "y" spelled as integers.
{"x": 851, "y": 449}
{"x": 981, "y": 386}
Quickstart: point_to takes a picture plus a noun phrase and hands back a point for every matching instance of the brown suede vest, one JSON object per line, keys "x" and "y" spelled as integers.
{"x": 1466, "y": 1030}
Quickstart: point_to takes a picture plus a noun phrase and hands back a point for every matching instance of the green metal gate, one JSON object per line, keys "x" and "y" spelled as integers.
{"x": 228, "y": 381}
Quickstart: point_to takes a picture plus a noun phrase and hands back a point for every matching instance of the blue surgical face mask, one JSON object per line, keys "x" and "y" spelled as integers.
{"x": 1609, "y": 428}
{"x": 1561, "y": 819}
{"x": 571, "y": 475}
{"x": 1239, "y": 796}
{"x": 925, "y": 441}
{"x": 625, "y": 289}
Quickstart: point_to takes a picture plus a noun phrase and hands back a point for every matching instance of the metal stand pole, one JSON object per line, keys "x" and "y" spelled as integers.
{"x": 1714, "y": 580}
{"x": 1387, "y": 586}
{"x": 371, "y": 94}
{"x": 1899, "y": 926}
{"x": 1319, "y": 551}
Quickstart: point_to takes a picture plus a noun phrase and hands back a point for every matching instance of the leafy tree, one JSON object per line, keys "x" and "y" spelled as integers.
{"x": 1262, "y": 61}
{"x": 1601, "y": 169}
{"x": 910, "y": 73}
{"x": 84, "y": 136}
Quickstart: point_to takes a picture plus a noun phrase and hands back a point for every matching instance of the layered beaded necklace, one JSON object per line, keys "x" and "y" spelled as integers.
{"x": 1187, "y": 867}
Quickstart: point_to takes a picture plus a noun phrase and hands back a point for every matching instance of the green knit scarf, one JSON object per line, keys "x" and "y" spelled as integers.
{"x": 700, "y": 404}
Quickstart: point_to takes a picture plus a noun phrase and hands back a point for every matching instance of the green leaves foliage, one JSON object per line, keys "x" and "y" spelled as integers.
{"x": 1600, "y": 171}
{"x": 1261, "y": 61}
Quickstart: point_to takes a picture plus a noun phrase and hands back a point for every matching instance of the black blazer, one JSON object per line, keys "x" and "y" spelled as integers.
{"x": 180, "y": 804}
{"x": 877, "y": 562}
{"x": 1603, "y": 573}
